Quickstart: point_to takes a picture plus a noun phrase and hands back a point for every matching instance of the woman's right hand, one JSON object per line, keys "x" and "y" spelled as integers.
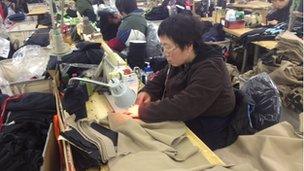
{"x": 143, "y": 97}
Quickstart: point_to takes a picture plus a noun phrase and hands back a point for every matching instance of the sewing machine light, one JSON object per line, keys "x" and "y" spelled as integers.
{"x": 122, "y": 95}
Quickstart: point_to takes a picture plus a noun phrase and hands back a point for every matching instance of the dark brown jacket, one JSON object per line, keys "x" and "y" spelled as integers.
{"x": 199, "y": 89}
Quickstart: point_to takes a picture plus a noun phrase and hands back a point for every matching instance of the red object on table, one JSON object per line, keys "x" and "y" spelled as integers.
{"x": 235, "y": 24}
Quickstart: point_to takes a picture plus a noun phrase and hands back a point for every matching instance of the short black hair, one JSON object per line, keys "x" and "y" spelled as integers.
{"x": 184, "y": 30}
{"x": 126, "y": 6}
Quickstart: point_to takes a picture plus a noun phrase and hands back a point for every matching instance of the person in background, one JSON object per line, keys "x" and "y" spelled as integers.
{"x": 108, "y": 24}
{"x": 194, "y": 87}
{"x": 133, "y": 26}
{"x": 18, "y": 6}
{"x": 280, "y": 12}
{"x": 85, "y": 8}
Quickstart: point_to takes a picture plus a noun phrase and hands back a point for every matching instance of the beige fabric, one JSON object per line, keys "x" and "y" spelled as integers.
{"x": 157, "y": 147}
{"x": 135, "y": 135}
{"x": 288, "y": 74}
{"x": 260, "y": 67}
{"x": 290, "y": 45}
{"x": 155, "y": 161}
{"x": 233, "y": 73}
{"x": 275, "y": 148}
{"x": 301, "y": 116}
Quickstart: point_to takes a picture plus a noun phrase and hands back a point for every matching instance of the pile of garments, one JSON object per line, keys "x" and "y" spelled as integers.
{"x": 285, "y": 67}
{"x": 24, "y": 124}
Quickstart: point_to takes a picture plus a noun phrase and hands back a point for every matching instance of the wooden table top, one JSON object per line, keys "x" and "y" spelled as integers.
{"x": 237, "y": 32}
{"x": 268, "y": 44}
{"x": 37, "y": 10}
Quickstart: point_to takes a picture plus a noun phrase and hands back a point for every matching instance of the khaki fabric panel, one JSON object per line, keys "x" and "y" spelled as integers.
{"x": 275, "y": 148}
{"x": 288, "y": 74}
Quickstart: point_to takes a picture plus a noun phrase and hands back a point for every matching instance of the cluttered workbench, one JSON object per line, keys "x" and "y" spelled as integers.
{"x": 100, "y": 104}
{"x": 98, "y": 107}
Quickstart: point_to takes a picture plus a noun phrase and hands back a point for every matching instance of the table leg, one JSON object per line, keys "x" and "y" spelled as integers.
{"x": 256, "y": 53}
{"x": 244, "y": 60}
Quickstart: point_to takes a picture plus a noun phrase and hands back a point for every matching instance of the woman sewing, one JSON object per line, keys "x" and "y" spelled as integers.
{"x": 194, "y": 87}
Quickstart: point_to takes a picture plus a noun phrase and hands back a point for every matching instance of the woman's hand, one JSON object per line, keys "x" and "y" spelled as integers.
{"x": 143, "y": 97}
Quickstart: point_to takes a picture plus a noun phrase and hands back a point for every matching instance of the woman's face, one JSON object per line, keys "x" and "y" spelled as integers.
{"x": 174, "y": 55}
{"x": 279, "y": 4}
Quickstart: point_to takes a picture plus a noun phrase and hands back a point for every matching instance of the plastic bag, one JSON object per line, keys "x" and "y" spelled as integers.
{"x": 3, "y": 30}
{"x": 27, "y": 63}
{"x": 264, "y": 99}
{"x": 153, "y": 49}
{"x": 86, "y": 70}
{"x": 4, "y": 48}
{"x": 68, "y": 70}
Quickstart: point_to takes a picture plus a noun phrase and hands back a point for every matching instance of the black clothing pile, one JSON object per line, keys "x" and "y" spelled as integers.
{"x": 74, "y": 100}
{"x": 71, "y": 13}
{"x": 262, "y": 33}
{"x": 215, "y": 33}
{"x": 44, "y": 19}
{"x": 86, "y": 53}
{"x": 157, "y": 13}
{"x": 25, "y": 121}
{"x": 271, "y": 33}
{"x": 40, "y": 37}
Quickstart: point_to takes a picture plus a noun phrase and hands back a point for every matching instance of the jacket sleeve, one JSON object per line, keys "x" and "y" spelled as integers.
{"x": 155, "y": 87}
{"x": 116, "y": 44}
{"x": 203, "y": 89}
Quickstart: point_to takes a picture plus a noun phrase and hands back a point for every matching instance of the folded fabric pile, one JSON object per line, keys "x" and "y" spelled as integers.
{"x": 95, "y": 143}
{"x": 86, "y": 53}
{"x": 285, "y": 67}
{"x": 291, "y": 46}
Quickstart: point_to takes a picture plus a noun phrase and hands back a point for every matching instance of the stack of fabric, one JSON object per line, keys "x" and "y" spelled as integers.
{"x": 285, "y": 67}
{"x": 291, "y": 46}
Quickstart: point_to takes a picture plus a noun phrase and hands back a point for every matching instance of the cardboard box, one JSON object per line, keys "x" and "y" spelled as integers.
{"x": 50, "y": 153}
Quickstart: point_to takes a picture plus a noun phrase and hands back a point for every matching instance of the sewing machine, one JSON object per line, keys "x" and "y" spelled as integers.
{"x": 113, "y": 67}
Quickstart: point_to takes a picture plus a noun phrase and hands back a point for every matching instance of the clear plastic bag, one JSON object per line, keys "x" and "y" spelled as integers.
{"x": 28, "y": 63}
{"x": 3, "y": 30}
{"x": 4, "y": 48}
{"x": 264, "y": 99}
{"x": 153, "y": 49}
{"x": 86, "y": 70}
